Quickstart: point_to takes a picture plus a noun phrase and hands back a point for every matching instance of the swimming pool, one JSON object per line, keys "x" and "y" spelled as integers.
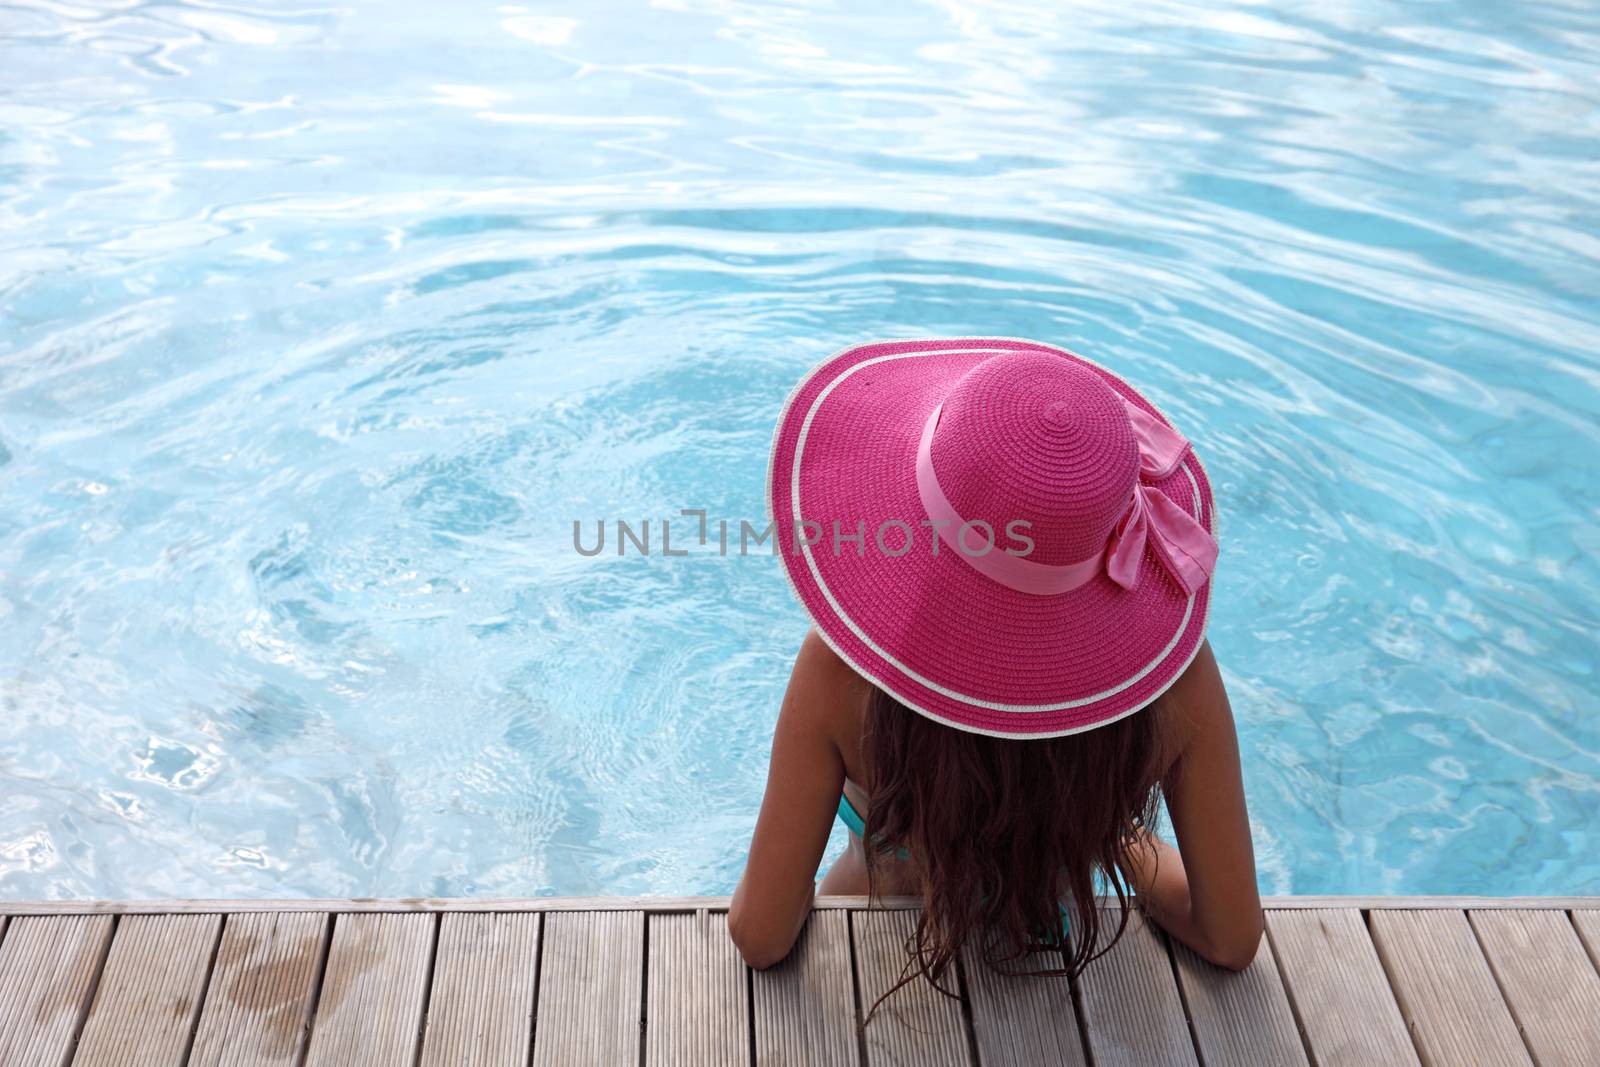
{"x": 322, "y": 324}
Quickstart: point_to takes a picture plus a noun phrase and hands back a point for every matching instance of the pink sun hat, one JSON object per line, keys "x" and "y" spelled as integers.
{"x": 1005, "y": 536}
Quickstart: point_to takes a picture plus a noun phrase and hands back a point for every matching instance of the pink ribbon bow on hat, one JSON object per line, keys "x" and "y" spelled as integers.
{"x": 1185, "y": 548}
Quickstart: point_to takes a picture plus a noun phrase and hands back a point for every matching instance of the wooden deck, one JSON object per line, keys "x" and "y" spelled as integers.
{"x": 1338, "y": 981}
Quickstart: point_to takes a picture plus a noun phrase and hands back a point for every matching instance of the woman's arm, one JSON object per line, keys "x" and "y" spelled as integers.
{"x": 803, "y": 784}
{"x": 1206, "y": 896}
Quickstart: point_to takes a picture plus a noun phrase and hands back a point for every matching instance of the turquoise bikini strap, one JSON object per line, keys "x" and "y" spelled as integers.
{"x": 858, "y": 826}
{"x": 848, "y": 816}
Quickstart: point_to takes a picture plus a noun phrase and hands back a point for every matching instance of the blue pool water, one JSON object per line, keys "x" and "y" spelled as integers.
{"x": 321, "y": 324}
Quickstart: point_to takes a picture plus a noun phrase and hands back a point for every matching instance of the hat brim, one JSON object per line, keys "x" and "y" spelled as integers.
{"x": 925, "y": 625}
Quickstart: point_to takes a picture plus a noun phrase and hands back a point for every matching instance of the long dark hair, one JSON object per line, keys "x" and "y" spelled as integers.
{"x": 1003, "y": 832}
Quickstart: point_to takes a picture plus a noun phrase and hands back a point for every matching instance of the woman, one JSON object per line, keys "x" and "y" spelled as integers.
{"x": 1006, "y": 553}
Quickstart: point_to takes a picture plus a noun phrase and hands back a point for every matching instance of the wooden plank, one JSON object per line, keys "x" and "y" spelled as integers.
{"x": 149, "y": 993}
{"x": 1587, "y": 924}
{"x": 1445, "y": 990}
{"x": 1547, "y": 980}
{"x": 590, "y": 989}
{"x": 1333, "y": 977}
{"x": 805, "y": 1007}
{"x": 1132, "y": 1011}
{"x": 697, "y": 1007}
{"x": 1239, "y": 1019}
{"x": 370, "y": 1007}
{"x": 48, "y": 967}
{"x": 1018, "y": 1018}
{"x": 916, "y": 1024}
{"x": 671, "y": 904}
{"x": 485, "y": 974}
{"x": 258, "y": 1006}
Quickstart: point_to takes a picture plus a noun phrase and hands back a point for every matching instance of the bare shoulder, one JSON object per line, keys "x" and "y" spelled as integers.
{"x": 825, "y": 690}
{"x": 1201, "y": 679}
{"x": 1197, "y": 703}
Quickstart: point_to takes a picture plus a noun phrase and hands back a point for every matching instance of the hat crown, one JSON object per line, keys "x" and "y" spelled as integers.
{"x": 1032, "y": 437}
